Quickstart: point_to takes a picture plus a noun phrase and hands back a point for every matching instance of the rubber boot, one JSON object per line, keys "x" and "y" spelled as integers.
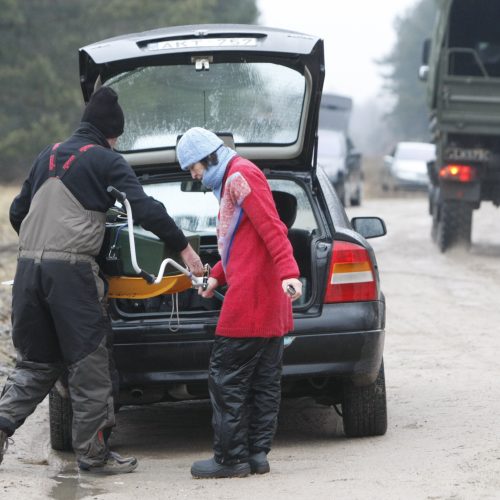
{"x": 204, "y": 469}
{"x": 258, "y": 463}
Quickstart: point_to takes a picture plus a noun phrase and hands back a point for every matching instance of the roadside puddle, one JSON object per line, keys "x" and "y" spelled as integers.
{"x": 71, "y": 486}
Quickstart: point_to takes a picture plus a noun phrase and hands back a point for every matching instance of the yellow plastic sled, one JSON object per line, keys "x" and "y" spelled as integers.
{"x": 125, "y": 287}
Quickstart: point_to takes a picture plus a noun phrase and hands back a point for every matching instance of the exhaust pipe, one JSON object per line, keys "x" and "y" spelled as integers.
{"x": 136, "y": 393}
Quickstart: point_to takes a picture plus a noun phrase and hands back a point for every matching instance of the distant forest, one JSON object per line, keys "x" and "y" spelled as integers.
{"x": 40, "y": 96}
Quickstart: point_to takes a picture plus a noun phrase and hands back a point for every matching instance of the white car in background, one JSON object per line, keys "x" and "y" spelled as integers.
{"x": 406, "y": 166}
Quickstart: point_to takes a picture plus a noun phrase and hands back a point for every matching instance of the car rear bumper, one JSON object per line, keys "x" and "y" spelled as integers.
{"x": 346, "y": 341}
{"x": 353, "y": 355}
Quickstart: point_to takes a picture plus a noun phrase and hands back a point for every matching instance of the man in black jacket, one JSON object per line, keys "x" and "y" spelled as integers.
{"x": 59, "y": 318}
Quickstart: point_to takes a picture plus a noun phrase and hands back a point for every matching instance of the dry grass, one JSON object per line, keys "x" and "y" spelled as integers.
{"x": 8, "y": 255}
{"x": 8, "y": 237}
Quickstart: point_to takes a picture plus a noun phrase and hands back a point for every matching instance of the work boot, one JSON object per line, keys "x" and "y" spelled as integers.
{"x": 4, "y": 444}
{"x": 258, "y": 463}
{"x": 212, "y": 469}
{"x": 115, "y": 464}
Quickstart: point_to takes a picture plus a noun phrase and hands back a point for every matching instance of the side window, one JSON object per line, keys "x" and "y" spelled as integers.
{"x": 305, "y": 218}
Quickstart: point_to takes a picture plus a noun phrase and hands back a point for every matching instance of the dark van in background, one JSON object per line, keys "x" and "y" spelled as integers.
{"x": 336, "y": 152}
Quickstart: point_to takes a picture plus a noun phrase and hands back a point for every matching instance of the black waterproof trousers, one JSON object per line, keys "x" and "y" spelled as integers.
{"x": 245, "y": 389}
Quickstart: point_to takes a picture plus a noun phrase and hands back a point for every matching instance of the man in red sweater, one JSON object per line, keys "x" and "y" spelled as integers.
{"x": 258, "y": 266}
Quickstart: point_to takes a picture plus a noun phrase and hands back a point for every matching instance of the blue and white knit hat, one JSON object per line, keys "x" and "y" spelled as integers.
{"x": 197, "y": 143}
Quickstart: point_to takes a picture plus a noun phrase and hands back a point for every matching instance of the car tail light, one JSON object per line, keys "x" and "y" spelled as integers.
{"x": 352, "y": 278}
{"x": 459, "y": 173}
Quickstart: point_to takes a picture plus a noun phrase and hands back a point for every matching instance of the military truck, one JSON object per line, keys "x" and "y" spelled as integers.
{"x": 461, "y": 65}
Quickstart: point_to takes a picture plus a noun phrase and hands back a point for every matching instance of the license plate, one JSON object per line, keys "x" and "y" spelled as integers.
{"x": 462, "y": 154}
{"x": 193, "y": 43}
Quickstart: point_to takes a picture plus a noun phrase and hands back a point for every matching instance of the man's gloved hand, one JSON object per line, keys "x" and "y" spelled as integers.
{"x": 292, "y": 287}
{"x": 192, "y": 260}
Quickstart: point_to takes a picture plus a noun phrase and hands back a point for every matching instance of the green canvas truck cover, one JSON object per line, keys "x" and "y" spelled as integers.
{"x": 464, "y": 67}
{"x": 438, "y": 37}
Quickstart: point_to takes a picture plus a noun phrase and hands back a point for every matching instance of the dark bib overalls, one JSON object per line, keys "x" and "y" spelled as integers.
{"x": 59, "y": 320}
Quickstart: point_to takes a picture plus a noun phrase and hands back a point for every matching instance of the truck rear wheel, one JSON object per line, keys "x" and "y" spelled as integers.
{"x": 356, "y": 199}
{"x": 454, "y": 224}
{"x": 364, "y": 409}
{"x": 60, "y": 416}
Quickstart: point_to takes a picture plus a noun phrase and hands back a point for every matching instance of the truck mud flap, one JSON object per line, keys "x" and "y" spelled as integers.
{"x": 461, "y": 192}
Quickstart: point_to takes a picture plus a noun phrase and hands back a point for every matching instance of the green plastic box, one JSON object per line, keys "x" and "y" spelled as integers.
{"x": 150, "y": 251}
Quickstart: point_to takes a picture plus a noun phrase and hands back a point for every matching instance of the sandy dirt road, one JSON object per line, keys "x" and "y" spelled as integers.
{"x": 443, "y": 388}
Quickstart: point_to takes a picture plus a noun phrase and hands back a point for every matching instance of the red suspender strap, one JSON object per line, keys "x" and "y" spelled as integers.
{"x": 52, "y": 161}
{"x": 84, "y": 148}
{"x": 70, "y": 160}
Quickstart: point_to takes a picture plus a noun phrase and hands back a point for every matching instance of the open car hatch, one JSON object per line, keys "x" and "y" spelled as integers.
{"x": 261, "y": 85}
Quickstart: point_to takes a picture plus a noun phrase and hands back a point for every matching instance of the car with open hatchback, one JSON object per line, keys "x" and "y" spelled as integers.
{"x": 260, "y": 89}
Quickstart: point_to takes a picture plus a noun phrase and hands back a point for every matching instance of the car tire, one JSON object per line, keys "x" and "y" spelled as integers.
{"x": 60, "y": 417}
{"x": 454, "y": 226}
{"x": 364, "y": 409}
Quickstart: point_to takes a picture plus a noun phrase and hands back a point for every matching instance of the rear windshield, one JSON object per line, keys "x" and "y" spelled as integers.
{"x": 259, "y": 103}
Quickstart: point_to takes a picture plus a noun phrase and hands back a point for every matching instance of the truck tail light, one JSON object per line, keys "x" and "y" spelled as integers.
{"x": 352, "y": 278}
{"x": 459, "y": 173}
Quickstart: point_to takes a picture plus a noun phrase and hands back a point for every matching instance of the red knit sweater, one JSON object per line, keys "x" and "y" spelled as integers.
{"x": 256, "y": 257}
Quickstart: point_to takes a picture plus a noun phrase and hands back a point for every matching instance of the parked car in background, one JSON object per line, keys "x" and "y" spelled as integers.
{"x": 406, "y": 166}
{"x": 342, "y": 164}
{"x": 216, "y": 76}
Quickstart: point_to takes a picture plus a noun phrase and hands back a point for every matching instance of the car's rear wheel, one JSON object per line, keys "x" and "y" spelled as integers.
{"x": 364, "y": 409}
{"x": 60, "y": 416}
